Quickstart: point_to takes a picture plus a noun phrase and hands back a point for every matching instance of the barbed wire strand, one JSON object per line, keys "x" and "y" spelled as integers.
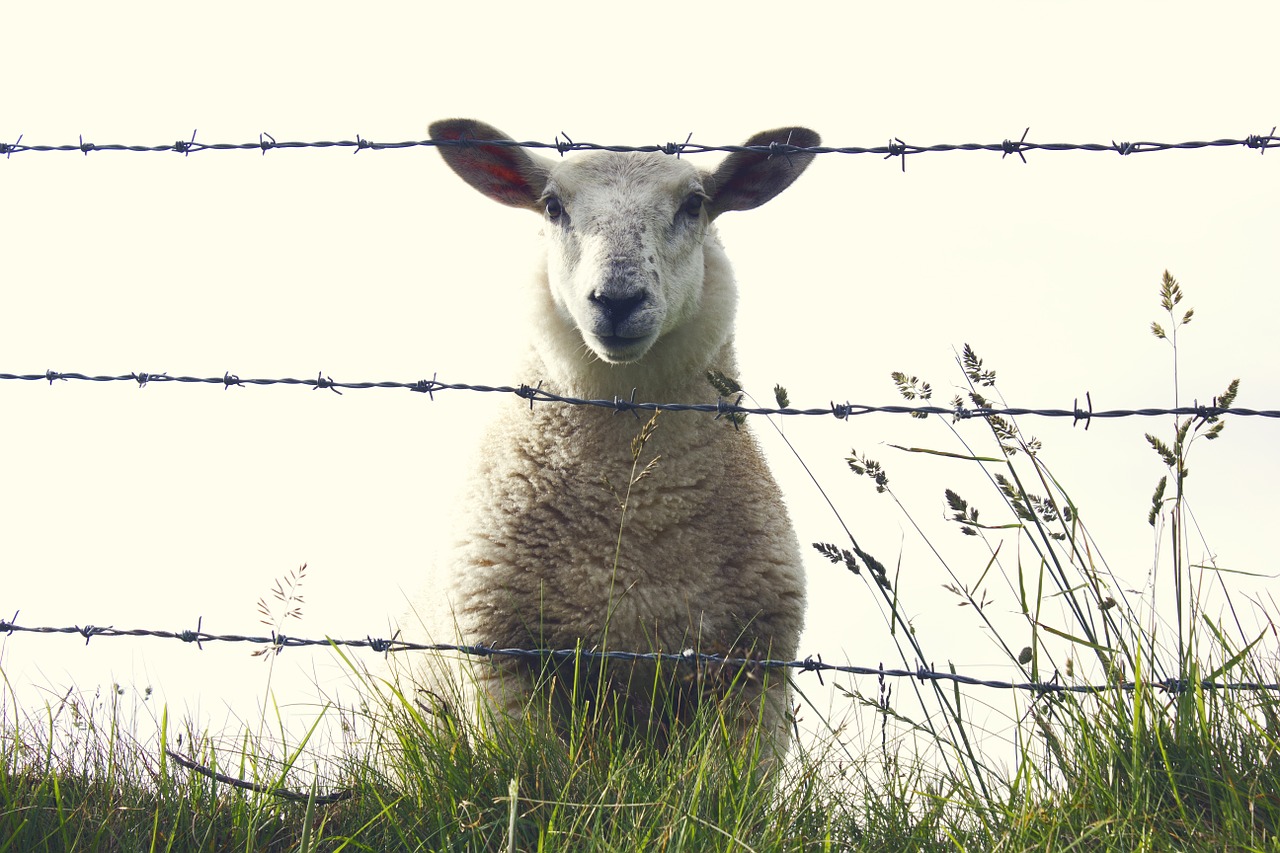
{"x": 894, "y": 148}
{"x": 278, "y": 642}
{"x": 536, "y": 394}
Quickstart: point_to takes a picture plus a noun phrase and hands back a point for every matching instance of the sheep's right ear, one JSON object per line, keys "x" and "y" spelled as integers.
{"x": 504, "y": 173}
{"x": 748, "y": 179}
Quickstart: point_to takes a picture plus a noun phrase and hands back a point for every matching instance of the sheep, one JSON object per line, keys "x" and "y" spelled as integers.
{"x": 632, "y": 295}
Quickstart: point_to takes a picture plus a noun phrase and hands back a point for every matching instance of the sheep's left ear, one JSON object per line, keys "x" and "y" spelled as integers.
{"x": 748, "y": 179}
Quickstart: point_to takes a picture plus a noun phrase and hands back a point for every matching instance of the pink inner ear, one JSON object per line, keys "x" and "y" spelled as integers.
{"x": 498, "y": 175}
{"x": 502, "y": 171}
{"x": 502, "y": 176}
{"x": 505, "y": 183}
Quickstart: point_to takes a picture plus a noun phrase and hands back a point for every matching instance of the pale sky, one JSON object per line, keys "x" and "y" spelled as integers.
{"x": 152, "y": 508}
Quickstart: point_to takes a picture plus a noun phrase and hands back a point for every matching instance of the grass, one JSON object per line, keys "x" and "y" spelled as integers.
{"x": 1162, "y": 757}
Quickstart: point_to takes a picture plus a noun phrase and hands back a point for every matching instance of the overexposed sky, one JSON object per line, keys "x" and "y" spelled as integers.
{"x": 155, "y": 507}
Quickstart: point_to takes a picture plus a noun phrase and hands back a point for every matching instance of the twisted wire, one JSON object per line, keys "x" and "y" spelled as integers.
{"x": 894, "y": 148}
{"x": 278, "y": 642}
{"x": 536, "y": 394}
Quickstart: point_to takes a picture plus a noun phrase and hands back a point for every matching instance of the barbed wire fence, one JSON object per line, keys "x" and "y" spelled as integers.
{"x": 721, "y": 408}
{"x": 563, "y": 144}
{"x": 895, "y": 148}
{"x": 688, "y": 659}
{"x": 278, "y": 642}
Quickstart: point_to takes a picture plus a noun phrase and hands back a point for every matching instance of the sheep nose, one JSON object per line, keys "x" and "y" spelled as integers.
{"x": 618, "y": 309}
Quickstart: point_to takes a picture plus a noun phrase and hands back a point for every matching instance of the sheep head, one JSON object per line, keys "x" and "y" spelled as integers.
{"x": 624, "y": 232}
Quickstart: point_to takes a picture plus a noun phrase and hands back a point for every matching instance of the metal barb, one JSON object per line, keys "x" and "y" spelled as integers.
{"x": 184, "y": 147}
{"x": 1259, "y": 142}
{"x": 322, "y": 381}
{"x": 898, "y": 150}
{"x": 621, "y": 405}
{"x": 265, "y": 142}
{"x": 194, "y": 636}
{"x": 1204, "y": 413}
{"x": 6, "y": 148}
{"x": 1011, "y": 147}
{"x": 529, "y": 393}
{"x": 816, "y": 667}
{"x": 676, "y": 148}
{"x": 427, "y": 386}
{"x": 1078, "y": 415}
{"x": 1047, "y": 687}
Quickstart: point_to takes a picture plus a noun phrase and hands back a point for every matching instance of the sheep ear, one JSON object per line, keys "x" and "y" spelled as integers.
{"x": 748, "y": 179}
{"x": 503, "y": 173}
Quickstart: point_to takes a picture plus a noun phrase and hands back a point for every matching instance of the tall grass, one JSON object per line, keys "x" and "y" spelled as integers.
{"x": 1163, "y": 756}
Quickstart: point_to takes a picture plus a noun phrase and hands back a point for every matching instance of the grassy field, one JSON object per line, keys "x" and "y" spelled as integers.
{"x": 1163, "y": 756}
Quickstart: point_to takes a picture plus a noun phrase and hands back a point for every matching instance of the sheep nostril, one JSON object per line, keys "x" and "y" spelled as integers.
{"x": 618, "y": 309}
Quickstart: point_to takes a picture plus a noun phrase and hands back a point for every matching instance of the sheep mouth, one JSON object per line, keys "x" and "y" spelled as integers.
{"x": 619, "y": 349}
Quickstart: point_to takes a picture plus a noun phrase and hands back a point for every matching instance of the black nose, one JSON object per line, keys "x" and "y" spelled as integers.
{"x": 618, "y": 309}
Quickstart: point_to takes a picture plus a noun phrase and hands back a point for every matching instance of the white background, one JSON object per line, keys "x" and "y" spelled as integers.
{"x": 155, "y": 507}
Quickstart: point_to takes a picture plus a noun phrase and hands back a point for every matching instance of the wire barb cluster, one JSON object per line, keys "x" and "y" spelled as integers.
{"x": 537, "y": 394}
{"x": 278, "y": 642}
{"x": 563, "y": 144}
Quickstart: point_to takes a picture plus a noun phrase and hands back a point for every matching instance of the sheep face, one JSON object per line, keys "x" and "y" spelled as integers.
{"x": 624, "y": 233}
{"x": 624, "y": 237}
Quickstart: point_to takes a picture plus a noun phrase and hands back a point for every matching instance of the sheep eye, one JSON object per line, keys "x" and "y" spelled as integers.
{"x": 554, "y": 208}
{"x": 692, "y": 206}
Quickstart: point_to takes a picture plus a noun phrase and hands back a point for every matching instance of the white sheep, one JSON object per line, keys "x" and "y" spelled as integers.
{"x": 632, "y": 292}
